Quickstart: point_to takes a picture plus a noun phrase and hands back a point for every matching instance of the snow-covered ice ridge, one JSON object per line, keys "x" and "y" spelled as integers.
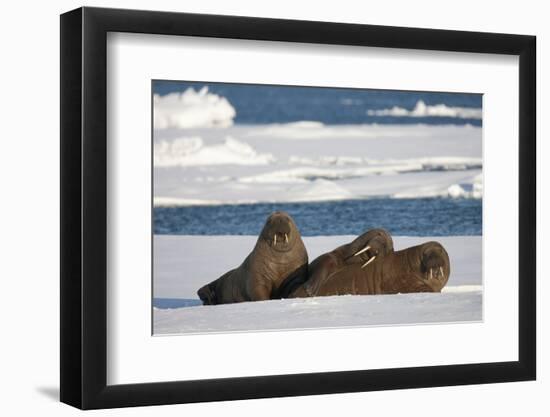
{"x": 309, "y": 161}
{"x": 182, "y": 264}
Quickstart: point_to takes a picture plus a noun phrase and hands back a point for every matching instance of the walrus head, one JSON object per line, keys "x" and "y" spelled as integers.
{"x": 207, "y": 294}
{"x": 435, "y": 267}
{"x": 422, "y": 268}
{"x": 371, "y": 245}
{"x": 280, "y": 232}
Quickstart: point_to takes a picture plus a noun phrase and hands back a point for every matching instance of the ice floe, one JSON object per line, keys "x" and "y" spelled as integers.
{"x": 422, "y": 109}
{"x": 192, "y": 108}
{"x": 241, "y": 164}
{"x": 177, "y": 276}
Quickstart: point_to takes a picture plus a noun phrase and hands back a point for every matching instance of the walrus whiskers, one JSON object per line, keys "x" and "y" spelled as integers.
{"x": 362, "y": 250}
{"x": 368, "y": 262}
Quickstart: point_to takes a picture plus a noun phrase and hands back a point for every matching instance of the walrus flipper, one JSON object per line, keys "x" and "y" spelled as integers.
{"x": 209, "y": 293}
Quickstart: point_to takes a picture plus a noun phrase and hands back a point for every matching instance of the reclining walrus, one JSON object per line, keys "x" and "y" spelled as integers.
{"x": 279, "y": 255}
{"x": 364, "y": 250}
{"x": 422, "y": 268}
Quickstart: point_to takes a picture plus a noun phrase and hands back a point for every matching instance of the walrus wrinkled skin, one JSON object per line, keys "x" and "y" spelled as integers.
{"x": 278, "y": 256}
{"x": 422, "y": 268}
{"x": 369, "y": 248}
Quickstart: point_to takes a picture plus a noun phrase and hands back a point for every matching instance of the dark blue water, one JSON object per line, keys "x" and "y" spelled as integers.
{"x": 260, "y": 104}
{"x": 401, "y": 217}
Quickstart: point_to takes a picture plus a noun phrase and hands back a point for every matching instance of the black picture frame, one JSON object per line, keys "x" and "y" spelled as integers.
{"x": 84, "y": 207}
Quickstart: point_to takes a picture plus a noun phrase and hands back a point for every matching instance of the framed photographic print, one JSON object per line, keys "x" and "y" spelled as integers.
{"x": 258, "y": 208}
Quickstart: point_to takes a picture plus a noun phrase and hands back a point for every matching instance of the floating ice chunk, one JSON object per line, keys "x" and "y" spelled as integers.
{"x": 421, "y": 109}
{"x": 474, "y": 190}
{"x": 477, "y": 191}
{"x": 456, "y": 191}
{"x": 467, "y": 190}
{"x": 192, "y": 109}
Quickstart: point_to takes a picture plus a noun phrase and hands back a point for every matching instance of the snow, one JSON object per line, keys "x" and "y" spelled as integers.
{"x": 328, "y": 312}
{"x": 190, "y": 151}
{"x": 182, "y": 264}
{"x": 421, "y": 109}
{"x": 309, "y": 161}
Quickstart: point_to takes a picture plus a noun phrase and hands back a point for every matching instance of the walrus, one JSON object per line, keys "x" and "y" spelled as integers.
{"x": 422, "y": 268}
{"x": 361, "y": 252}
{"x": 278, "y": 256}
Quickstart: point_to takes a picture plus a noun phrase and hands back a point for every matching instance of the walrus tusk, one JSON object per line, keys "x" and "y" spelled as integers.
{"x": 442, "y": 274}
{"x": 431, "y": 273}
{"x": 362, "y": 250}
{"x": 286, "y": 238}
{"x": 274, "y": 240}
{"x": 368, "y": 262}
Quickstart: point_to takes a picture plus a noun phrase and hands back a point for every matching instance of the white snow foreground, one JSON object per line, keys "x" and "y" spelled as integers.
{"x": 309, "y": 161}
{"x": 182, "y": 264}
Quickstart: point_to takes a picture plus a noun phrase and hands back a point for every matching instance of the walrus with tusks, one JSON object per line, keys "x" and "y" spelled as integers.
{"x": 422, "y": 268}
{"x": 278, "y": 256}
{"x": 369, "y": 247}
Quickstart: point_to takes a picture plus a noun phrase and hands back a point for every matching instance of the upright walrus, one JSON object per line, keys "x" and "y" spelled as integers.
{"x": 279, "y": 256}
{"x": 422, "y": 268}
{"x": 361, "y": 252}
